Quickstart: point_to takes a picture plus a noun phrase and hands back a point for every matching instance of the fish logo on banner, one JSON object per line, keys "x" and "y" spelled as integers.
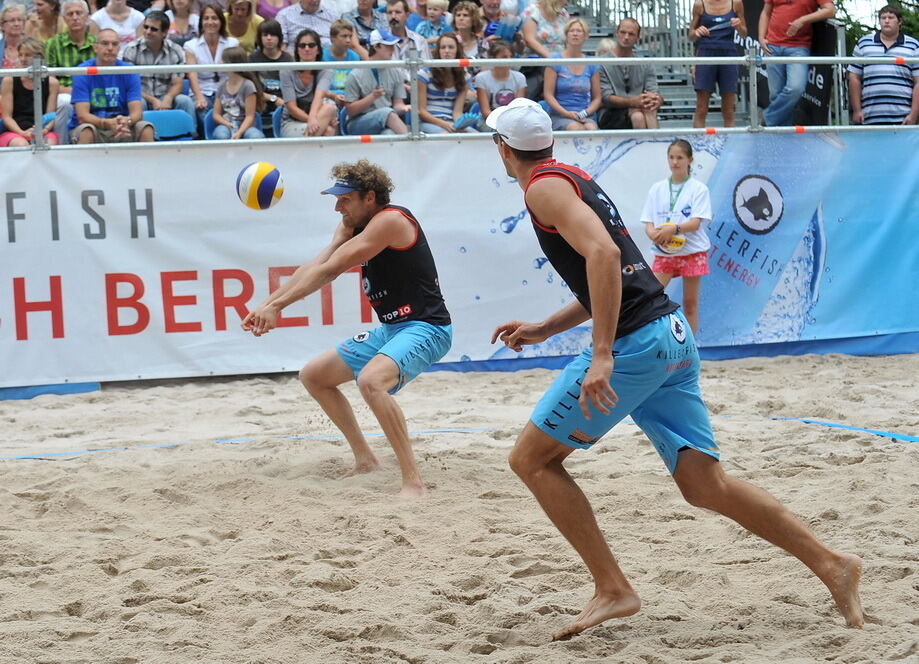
{"x": 758, "y": 204}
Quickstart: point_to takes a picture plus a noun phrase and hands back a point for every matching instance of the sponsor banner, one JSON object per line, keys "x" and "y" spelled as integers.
{"x": 133, "y": 263}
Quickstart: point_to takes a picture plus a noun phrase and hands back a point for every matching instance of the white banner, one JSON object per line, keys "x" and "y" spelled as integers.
{"x": 131, "y": 263}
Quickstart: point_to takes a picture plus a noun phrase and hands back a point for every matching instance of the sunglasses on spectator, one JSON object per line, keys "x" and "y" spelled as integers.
{"x": 307, "y": 45}
{"x": 151, "y": 28}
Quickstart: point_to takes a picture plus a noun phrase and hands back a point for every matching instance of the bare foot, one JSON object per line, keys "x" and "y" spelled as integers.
{"x": 413, "y": 491}
{"x": 843, "y": 585}
{"x": 364, "y": 466}
{"x": 599, "y": 609}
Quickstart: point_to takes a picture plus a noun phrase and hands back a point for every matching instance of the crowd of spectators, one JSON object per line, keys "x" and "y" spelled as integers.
{"x": 326, "y": 102}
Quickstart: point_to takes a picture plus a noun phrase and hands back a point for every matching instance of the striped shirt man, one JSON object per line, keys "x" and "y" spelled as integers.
{"x": 888, "y": 89}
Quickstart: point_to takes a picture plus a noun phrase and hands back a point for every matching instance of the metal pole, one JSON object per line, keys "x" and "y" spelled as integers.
{"x": 413, "y": 60}
{"x": 842, "y": 107}
{"x": 36, "y": 71}
{"x": 752, "y": 61}
{"x": 674, "y": 33}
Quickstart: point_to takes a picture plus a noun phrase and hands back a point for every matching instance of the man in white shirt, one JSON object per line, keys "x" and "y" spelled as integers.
{"x": 306, "y": 14}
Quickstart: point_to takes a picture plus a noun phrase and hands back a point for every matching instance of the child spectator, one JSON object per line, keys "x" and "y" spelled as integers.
{"x": 573, "y": 91}
{"x": 269, "y": 47}
{"x": 183, "y": 23}
{"x": 673, "y": 216}
{"x": 443, "y": 96}
{"x": 17, "y": 102}
{"x": 239, "y": 101}
{"x": 305, "y": 110}
{"x": 436, "y": 24}
{"x": 499, "y": 85}
{"x": 341, "y": 50}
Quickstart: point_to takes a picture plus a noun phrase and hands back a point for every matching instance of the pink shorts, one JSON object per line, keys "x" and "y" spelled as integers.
{"x": 691, "y": 265}
{"x": 8, "y": 136}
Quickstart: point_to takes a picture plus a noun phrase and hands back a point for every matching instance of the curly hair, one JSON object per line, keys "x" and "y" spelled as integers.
{"x": 473, "y": 10}
{"x": 366, "y": 177}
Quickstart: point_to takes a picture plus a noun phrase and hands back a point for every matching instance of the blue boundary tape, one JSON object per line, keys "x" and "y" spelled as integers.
{"x": 886, "y": 434}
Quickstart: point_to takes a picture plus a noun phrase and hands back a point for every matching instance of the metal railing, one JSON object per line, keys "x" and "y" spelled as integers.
{"x": 38, "y": 72}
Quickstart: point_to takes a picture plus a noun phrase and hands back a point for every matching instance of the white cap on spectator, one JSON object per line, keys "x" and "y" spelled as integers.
{"x": 383, "y": 37}
{"x": 523, "y": 124}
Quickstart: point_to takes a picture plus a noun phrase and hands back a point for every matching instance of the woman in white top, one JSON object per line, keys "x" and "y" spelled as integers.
{"x": 207, "y": 49}
{"x": 183, "y": 23}
{"x": 124, "y": 20}
{"x": 673, "y": 216}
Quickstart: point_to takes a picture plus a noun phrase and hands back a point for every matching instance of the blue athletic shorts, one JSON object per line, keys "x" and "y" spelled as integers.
{"x": 725, "y": 76}
{"x": 656, "y": 377}
{"x": 413, "y": 346}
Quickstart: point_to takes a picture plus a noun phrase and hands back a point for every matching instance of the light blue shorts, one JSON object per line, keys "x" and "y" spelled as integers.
{"x": 655, "y": 376}
{"x": 413, "y": 346}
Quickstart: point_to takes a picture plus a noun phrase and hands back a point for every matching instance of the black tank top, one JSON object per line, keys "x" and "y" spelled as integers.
{"x": 23, "y": 103}
{"x": 643, "y": 298}
{"x": 402, "y": 284}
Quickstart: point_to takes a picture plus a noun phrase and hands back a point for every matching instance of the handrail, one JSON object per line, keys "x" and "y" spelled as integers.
{"x": 37, "y": 71}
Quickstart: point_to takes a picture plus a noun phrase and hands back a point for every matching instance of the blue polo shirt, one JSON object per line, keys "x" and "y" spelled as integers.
{"x": 339, "y": 76}
{"x": 887, "y": 89}
{"x": 107, "y": 94}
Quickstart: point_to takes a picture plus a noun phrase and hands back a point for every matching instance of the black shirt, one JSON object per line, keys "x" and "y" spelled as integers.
{"x": 643, "y": 297}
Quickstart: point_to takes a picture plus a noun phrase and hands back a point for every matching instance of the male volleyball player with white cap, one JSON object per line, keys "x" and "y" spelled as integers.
{"x": 643, "y": 362}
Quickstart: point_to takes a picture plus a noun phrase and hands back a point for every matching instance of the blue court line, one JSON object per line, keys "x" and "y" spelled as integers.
{"x": 885, "y": 434}
{"x": 221, "y": 441}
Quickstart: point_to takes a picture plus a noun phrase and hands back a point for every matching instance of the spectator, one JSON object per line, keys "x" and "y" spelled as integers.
{"x": 160, "y": 92}
{"x": 306, "y": 14}
{"x": 467, "y": 24}
{"x": 543, "y": 32}
{"x": 365, "y": 20}
{"x": 207, "y": 49}
{"x": 573, "y": 91}
{"x": 442, "y": 93}
{"x": 269, "y": 42}
{"x": 375, "y": 97}
{"x": 71, "y": 47}
{"x": 341, "y": 50}
{"x": 785, "y": 31}
{"x": 268, "y": 9}
{"x": 497, "y": 86}
{"x": 124, "y": 20}
{"x": 17, "y": 102}
{"x": 418, "y": 14}
{"x": 108, "y": 107}
{"x": 500, "y": 24}
{"x": 630, "y": 95}
{"x": 13, "y": 22}
{"x": 183, "y": 23}
{"x": 45, "y": 21}
{"x": 435, "y": 24}
{"x": 305, "y": 110}
{"x": 397, "y": 13}
{"x": 238, "y": 102}
{"x": 885, "y": 93}
{"x": 673, "y": 215}
{"x": 713, "y": 29}
{"x": 243, "y": 22}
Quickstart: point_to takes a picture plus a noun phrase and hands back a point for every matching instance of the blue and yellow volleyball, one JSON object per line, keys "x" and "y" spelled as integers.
{"x": 259, "y": 185}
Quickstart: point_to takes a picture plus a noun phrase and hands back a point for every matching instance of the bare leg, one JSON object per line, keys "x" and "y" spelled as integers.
{"x": 704, "y": 484}
{"x": 395, "y": 123}
{"x": 702, "y": 99}
{"x": 321, "y": 378}
{"x": 651, "y": 121}
{"x": 375, "y": 380}
{"x": 728, "y": 106}
{"x": 637, "y": 118}
{"x": 663, "y": 278}
{"x": 537, "y": 460}
{"x": 691, "y": 301}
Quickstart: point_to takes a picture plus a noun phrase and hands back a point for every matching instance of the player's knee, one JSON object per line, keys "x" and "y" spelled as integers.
{"x": 309, "y": 377}
{"x": 700, "y": 492}
{"x": 371, "y": 384}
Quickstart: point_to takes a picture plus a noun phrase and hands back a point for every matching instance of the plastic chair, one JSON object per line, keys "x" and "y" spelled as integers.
{"x": 209, "y": 125}
{"x": 171, "y": 125}
{"x": 276, "y": 121}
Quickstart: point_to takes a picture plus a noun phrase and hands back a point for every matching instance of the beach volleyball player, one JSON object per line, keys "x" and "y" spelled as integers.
{"x": 400, "y": 279}
{"x": 643, "y": 363}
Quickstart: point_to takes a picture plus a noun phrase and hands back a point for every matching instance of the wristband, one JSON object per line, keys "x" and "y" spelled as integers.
{"x": 582, "y": 114}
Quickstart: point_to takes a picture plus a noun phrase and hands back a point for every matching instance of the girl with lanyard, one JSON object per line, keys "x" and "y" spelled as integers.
{"x": 673, "y": 216}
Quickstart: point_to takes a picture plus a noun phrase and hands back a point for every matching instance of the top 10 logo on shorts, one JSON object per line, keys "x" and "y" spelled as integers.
{"x": 765, "y": 191}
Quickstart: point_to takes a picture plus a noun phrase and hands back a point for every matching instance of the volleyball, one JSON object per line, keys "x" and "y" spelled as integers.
{"x": 674, "y": 245}
{"x": 259, "y": 185}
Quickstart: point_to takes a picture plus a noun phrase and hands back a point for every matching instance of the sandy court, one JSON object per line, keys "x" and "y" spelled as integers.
{"x": 183, "y": 549}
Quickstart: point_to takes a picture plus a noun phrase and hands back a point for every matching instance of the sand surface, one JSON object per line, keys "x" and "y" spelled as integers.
{"x": 183, "y": 549}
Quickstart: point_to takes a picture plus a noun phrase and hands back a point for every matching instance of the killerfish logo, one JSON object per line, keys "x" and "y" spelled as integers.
{"x": 758, "y": 204}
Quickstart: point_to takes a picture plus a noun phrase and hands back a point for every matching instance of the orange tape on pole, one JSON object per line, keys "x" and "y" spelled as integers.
{"x": 366, "y": 138}
{"x": 464, "y": 62}
{"x": 711, "y": 130}
{"x": 899, "y": 60}
{"x": 92, "y": 71}
{"x": 799, "y": 129}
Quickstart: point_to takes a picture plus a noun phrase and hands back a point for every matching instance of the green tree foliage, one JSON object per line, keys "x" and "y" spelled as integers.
{"x": 856, "y": 29}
